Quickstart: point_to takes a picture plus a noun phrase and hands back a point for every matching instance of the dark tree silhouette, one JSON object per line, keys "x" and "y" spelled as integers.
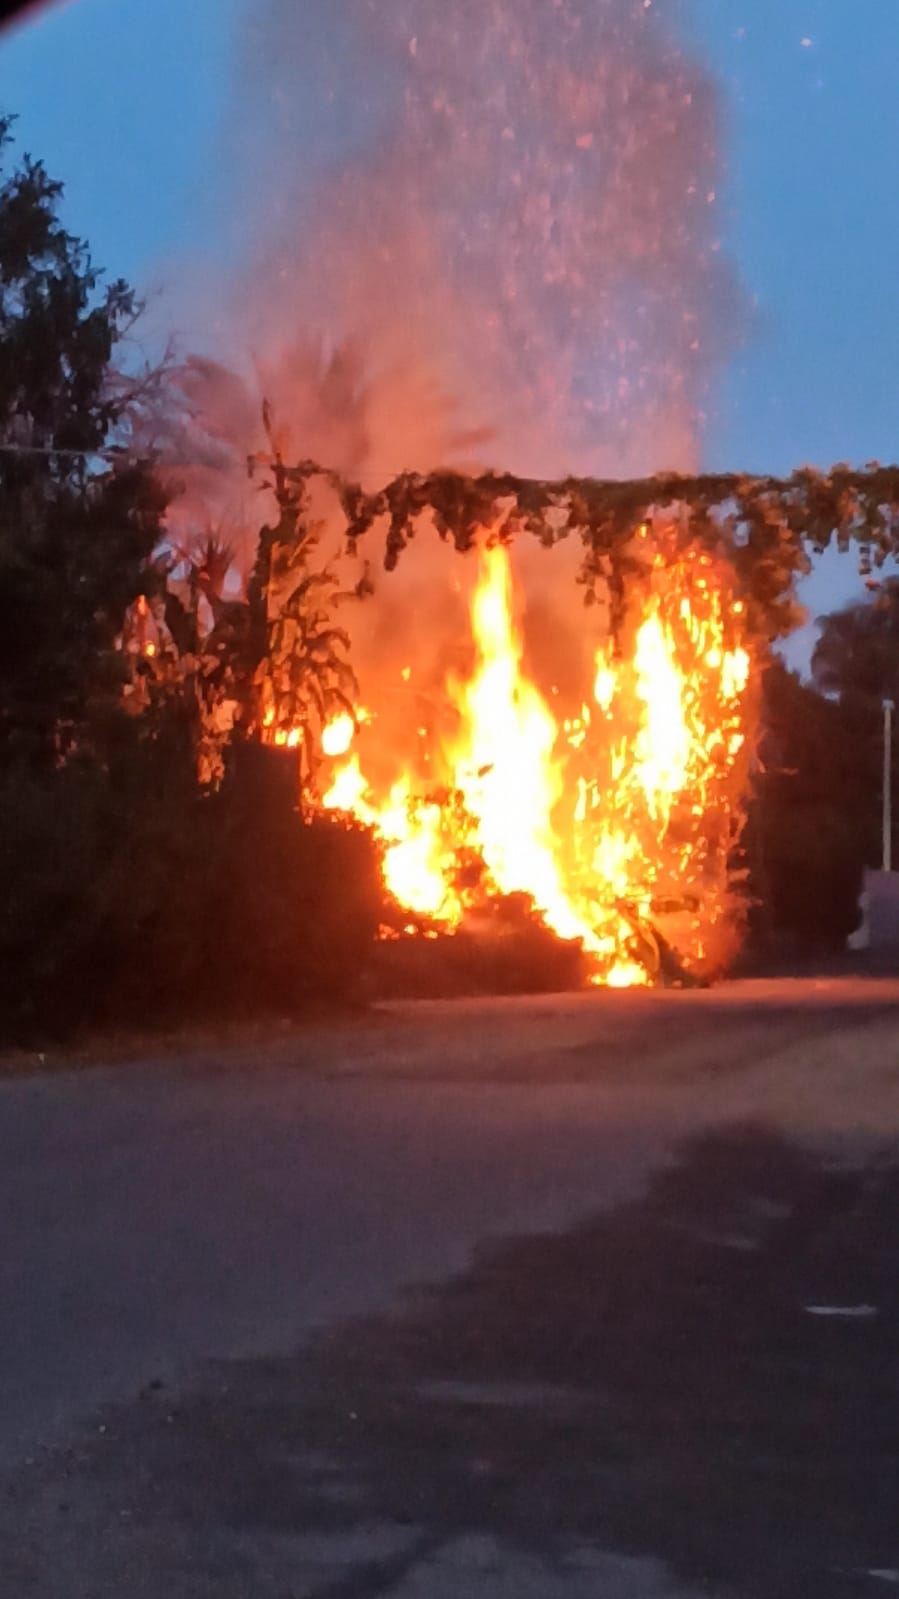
{"x": 814, "y": 818}
{"x": 77, "y": 527}
{"x": 857, "y": 653}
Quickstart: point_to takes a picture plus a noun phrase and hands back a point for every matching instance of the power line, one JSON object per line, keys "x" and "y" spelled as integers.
{"x": 111, "y": 453}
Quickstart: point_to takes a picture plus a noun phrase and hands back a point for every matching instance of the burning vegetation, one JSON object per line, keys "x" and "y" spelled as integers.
{"x": 593, "y": 788}
{"x": 610, "y": 806}
{"x": 609, "y": 820}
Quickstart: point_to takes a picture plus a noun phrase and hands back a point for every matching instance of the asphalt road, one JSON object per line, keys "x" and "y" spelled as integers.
{"x": 165, "y": 1221}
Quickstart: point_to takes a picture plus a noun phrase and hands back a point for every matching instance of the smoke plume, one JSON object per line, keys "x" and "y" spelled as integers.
{"x": 478, "y": 233}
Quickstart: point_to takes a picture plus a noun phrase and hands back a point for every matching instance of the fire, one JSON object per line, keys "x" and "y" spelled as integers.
{"x": 415, "y": 864}
{"x": 348, "y": 793}
{"x": 611, "y": 820}
{"x": 338, "y": 735}
{"x": 505, "y": 763}
{"x": 663, "y": 742}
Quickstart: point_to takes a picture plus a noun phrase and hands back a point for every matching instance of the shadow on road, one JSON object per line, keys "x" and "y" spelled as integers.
{"x": 706, "y": 1379}
{"x": 668, "y": 1380}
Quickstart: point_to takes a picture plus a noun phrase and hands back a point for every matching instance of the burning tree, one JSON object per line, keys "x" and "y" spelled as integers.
{"x": 612, "y": 807}
{"x": 618, "y": 817}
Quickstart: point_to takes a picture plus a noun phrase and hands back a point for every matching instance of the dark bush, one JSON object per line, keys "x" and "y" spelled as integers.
{"x": 129, "y": 899}
{"x": 813, "y": 821}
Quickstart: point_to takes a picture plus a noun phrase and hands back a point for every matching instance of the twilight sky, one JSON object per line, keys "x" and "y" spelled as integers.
{"x": 126, "y": 101}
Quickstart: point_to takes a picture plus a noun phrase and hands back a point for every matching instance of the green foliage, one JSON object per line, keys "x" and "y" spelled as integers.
{"x": 76, "y": 535}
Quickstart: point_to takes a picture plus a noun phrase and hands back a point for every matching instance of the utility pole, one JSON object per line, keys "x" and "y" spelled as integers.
{"x": 888, "y": 708}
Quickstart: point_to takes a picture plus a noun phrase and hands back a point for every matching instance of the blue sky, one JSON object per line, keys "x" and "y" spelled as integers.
{"x": 122, "y": 100}
{"x": 813, "y": 149}
{"x": 126, "y": 101}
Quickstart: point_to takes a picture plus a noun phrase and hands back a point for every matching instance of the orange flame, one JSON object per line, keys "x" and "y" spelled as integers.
{"x": 338, "y": 735}
{"x": 614, "y": 820}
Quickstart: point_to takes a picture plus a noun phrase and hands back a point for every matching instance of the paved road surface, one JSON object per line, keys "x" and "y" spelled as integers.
{"x": 165, "y": 1214}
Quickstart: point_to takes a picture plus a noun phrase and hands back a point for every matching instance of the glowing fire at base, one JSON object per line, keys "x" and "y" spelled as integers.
{"x": 608, "y": 822}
